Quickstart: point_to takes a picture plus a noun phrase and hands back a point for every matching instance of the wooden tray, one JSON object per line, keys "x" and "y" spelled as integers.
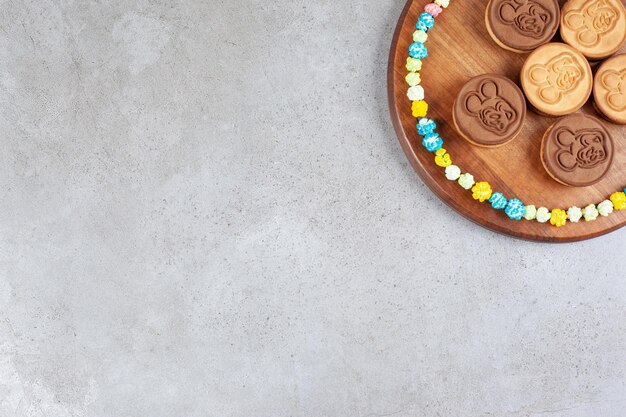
{"x": 459, "y": 48}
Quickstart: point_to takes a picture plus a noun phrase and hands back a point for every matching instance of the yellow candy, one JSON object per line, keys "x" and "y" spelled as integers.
{"x": 558, "y": 218}
{"x": 419, "y": 108}
{"x": 619, "y": 200}
{"x": 442, "y": 158}
{"x": 482, "y": 191}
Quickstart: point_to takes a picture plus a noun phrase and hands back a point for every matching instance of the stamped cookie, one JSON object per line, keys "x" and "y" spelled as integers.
{"x": 597, "y": 28}
{"x": 577, "y": 150}
{"x": 557, "y": 79}
{"x": 609, "y": 89}
{"x": 489, "y": 110}
{"x": 522, "y": 25}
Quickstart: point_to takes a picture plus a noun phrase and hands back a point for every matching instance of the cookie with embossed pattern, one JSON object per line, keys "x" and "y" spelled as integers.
{"x": 489, "y": 110}
{"x": 609, "y": 89}
{"x": 522, "y": 25}
{"x": 597, "y": 28}
{"x": 577, "y": 150}
{"x": 557, "y": 79}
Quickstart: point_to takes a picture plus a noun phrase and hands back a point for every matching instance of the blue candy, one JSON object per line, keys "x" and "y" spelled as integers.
{"x": 426, "y": 21}
{"x": 432, "y": 142}
{"x": 426, "y": 126}
{"x": 418, "y": 50}
{"x": 515, "y": 209}
{"x": 498, "y": 201}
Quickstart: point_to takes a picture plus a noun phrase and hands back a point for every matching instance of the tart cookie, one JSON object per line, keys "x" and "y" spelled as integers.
{"x": 597, "y": 28}
{"x": 609, "y": 89}
{"x": 577, "y": 150}
{"x": 489, "y": 110}
{"x": 522, "y": 25}
{"x": 557, "y": 79}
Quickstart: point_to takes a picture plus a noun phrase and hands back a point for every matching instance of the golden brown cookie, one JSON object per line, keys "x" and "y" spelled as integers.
{"x": 557, "y": 79}
{"x": 609, "y": 89}
{"x": 489, "y": 110}
{"x": 522, "y": 25}
{"x": 597, "y": 28}
{"x": 577, "y": 150}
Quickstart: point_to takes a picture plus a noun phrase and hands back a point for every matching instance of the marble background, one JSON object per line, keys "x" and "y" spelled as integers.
{"x": 204, "y": 211}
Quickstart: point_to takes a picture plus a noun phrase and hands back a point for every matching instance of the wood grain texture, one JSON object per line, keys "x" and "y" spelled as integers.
{"x": 459, "y": 48}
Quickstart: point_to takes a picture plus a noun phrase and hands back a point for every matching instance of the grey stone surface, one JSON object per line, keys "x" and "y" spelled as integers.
{"x": 205, "y": 212}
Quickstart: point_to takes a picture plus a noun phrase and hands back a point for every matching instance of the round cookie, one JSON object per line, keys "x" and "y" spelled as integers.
{"x": 557, "y": 79}
{"x": 577, "y": 150}
{"x": 609, "y": 89}
{"x": 597, "y": 28}
{"x": 522, "y": 25}
{"x": 489, "y": 110}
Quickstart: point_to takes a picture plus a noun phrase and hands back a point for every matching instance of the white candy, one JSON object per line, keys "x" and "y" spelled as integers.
{"x": 413, "y": 78}
{"x": 605, "y": 208}
{"x": 416, "y": 93}
{"x": 453, "y": 172}
{"x": 420, "y": 36}
{"x": 543, "y": 215}
{"x": 467, "y": 181}
{"x": 574, "y": 214}
{"x": 531, "y": 212}
{"x": 590, "y": 212}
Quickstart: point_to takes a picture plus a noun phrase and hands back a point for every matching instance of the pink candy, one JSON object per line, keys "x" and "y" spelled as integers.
{"x": 433, "y": 9}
